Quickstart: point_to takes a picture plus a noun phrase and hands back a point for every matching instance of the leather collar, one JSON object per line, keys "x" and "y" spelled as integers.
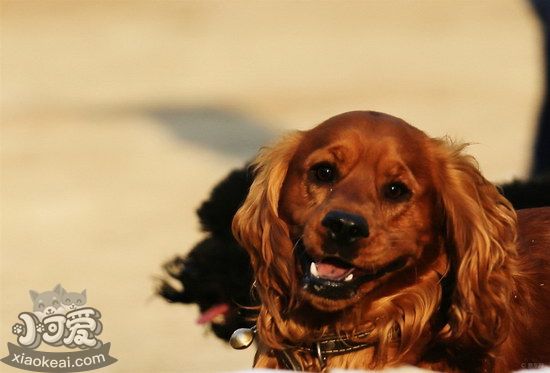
{"x": 334, "y": 345}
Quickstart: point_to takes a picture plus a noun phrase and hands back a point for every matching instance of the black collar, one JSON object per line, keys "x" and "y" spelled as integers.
{"x": 334, "y": 345}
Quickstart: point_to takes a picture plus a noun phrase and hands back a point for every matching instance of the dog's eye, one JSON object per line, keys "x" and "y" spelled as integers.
{"x": 324, "y": 172}
{"x": 396, "y": 191}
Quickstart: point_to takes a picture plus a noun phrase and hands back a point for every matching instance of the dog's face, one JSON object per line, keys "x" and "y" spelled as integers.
{"x": 359, "y": 202}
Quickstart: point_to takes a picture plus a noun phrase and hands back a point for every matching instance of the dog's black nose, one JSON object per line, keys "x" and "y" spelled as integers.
{"x": 345, "y": 228}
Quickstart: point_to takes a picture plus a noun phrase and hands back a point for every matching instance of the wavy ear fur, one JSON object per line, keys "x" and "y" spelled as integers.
{"x": 258, "y": 228}
{"x": 481, "y": 241}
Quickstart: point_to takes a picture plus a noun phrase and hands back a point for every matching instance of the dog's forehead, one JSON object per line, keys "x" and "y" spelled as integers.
{"x": 361, "y": 127}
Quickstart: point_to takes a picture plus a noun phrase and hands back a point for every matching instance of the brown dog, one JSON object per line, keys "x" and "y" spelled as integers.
{"x": 374, "y": 245}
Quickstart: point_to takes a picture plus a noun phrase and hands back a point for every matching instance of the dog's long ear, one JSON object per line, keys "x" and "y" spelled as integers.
{"x": 481, "y": 241}
{"x": 258, "y": 228}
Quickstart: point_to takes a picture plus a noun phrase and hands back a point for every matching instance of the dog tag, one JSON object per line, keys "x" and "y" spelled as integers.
{"x": 242, "y": 338}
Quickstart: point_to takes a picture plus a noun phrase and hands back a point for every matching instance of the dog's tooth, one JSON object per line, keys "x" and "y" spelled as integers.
{"x": 313, "y": 269}
{"x": 349, "y": 277}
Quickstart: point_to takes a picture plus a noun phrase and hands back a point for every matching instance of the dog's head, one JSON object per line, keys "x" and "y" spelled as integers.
{"x": 361, "y": 209}
{"x": 359, "y": 200}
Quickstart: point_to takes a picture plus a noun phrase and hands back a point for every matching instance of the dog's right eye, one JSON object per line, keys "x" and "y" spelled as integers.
{"x": 324, "y": 172}
{"x": 396, "y": 192}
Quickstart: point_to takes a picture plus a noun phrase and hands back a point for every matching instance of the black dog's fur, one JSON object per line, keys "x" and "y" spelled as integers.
{"x": 530, "y": 193}
{"x": 217, "y": 270}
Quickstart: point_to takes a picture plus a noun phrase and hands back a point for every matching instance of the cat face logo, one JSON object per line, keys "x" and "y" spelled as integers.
{"x": 72, "y": 301}
{"x": 46, "y": 303}
{"x": 56, "y": 302}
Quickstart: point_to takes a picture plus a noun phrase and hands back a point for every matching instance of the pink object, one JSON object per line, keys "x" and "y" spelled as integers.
{"x": 212, "y": 312}
{"x": 332, "y": 272}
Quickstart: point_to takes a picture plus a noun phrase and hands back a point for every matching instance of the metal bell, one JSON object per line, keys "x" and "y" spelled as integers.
{"x": 242, "y": 338}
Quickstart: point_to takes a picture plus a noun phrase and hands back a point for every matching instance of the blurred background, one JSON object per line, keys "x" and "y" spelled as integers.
{"x": 117, "y": 117}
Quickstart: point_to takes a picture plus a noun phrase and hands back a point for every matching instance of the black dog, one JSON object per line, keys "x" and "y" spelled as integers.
{"x": 216, "y": 274}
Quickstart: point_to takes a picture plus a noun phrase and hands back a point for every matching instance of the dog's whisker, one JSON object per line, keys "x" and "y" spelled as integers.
{"x": 298, "y": 241}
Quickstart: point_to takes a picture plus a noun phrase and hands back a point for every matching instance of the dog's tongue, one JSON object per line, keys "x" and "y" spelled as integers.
{"x": 332, "y": 271}
{"x": 212, "y": 312}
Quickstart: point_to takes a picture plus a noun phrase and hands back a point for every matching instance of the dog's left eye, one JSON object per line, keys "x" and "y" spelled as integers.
{"x": 396, "y": 191}
{"x": 324, "y": 172}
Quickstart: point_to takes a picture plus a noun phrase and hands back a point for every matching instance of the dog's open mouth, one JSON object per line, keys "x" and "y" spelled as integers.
{"x": 334, "y": 278}
{"x": 333, "y": 269}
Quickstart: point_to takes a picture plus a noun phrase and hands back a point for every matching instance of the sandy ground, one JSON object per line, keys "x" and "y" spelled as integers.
{"x": 117, "y": 118}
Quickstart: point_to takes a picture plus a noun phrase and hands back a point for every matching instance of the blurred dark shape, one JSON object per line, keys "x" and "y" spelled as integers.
{"x": 216, "y": 274}
{"x": 216, "y": 213}
{"x": 220, "y": 130}
{"x": 528, "y": 193}
{"x": 541, "y": 161}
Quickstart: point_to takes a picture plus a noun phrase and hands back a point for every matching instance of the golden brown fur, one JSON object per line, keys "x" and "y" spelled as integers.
{"x": 458, "y": 284}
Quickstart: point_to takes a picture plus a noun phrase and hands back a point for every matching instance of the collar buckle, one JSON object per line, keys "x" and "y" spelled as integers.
{"x": 322, "y": 358}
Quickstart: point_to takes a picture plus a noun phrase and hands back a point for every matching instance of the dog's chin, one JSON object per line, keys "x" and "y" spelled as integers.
{"x": 331, "y": 284}
{"x": 327, "y": 304}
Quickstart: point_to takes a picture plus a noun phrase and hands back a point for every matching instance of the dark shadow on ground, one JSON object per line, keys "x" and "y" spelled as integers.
{"x": 221, "y": 130}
